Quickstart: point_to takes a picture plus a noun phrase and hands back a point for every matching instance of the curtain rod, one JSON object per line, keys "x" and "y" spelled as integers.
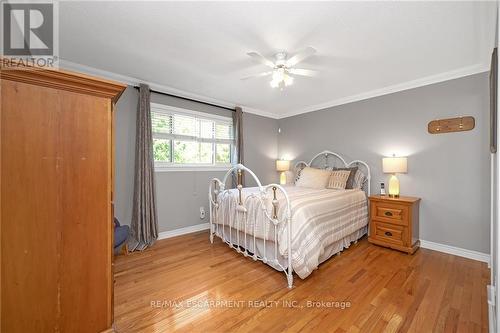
{"x": 187, "y": 99}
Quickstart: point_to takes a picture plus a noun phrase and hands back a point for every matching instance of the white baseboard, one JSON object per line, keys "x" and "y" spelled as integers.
{"x": 457, "y": 251}
{"x": 183, "y": 231}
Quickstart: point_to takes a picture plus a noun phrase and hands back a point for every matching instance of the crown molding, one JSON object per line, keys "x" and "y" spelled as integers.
{"x": 62, "y": 80}
{"x": 450, "y": 75}
{"x": 132, "y": 81}
{"x": 260, "y": 112}
{"x": 428, "y": 80}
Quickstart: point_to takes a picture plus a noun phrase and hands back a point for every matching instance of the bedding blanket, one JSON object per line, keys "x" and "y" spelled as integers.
{"x": 320, "y": 217}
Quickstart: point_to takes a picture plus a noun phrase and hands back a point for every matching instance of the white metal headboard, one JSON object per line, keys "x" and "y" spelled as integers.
{"x": 333, "y": 160}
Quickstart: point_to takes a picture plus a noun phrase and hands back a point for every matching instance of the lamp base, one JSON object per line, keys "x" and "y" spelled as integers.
{"x": 283, "y": 178}
{"x": 394, "y": 187}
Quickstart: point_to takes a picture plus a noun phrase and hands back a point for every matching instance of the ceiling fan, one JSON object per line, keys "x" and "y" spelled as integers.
{"x": 283, "y": 67}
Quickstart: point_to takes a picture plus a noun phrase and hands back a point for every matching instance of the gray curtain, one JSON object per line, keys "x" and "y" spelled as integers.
{"x": 238, "y": 136}
{"x": 144, "y": 226}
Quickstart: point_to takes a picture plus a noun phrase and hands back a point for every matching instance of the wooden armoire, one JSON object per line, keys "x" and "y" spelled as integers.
{"x": 56, "y": 201}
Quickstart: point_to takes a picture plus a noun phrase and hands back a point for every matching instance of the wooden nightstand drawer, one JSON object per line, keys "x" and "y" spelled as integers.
{"x": 391, "y": 213}
{"x": 389, "y": 233}
{"x": 394, "y": 222}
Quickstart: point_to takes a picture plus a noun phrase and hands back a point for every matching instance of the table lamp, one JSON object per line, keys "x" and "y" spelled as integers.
{"x": 394, "y": 165}
{"x": 282, "y": 166}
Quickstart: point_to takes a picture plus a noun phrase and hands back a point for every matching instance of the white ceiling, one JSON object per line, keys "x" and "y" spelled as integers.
{"x": 364, "y": 49}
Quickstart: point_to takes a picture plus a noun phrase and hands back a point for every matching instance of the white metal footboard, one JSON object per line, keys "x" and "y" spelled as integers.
{"x": 218, "y": 192}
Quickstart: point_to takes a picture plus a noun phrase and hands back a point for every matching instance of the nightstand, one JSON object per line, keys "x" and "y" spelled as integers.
{"x": 394, "y": 222}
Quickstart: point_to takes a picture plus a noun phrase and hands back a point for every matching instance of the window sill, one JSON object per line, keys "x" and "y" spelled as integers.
{"x": 191, "y": 169}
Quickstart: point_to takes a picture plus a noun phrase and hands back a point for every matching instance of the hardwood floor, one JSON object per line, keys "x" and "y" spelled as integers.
{"x": 166, "y": 288}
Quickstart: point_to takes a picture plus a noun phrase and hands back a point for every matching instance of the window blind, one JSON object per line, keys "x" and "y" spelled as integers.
{"x": 170, "y": 125}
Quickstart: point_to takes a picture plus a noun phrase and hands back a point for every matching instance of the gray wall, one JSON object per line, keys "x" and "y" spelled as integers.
{"x": 180, "y": 194}
{"x": 260, "y": 136}
{"x": 450, "y": 172}
{"x": 125, "y": 116}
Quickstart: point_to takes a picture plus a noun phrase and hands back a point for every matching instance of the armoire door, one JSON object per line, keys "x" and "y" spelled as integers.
{"x": 56, "y": 227}
{"x": 85, "y": 185}
{"x": 31, "y": 227}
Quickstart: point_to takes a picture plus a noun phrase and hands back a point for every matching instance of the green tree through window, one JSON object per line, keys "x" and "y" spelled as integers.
{"x": 190, "y": 138}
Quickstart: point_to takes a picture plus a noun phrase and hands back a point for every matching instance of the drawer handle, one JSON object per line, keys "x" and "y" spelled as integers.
{"x": 388, "y": 213}
{"x": 388, "y": 233}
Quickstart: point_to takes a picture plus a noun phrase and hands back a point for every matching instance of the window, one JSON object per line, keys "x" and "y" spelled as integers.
{"x": 184, "y": 138}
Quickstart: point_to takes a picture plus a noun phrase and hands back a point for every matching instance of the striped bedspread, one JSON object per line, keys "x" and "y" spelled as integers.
{"x": 319, "y": 219}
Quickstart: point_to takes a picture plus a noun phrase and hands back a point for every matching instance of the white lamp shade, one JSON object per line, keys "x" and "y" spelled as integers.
{"x": 395, "y": 164}
{"x": 282, "y": 165}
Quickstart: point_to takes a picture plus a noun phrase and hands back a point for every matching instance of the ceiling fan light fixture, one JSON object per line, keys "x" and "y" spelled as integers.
{"x": 282, "y": 67}
{"x": 281, "y": 78}
{"x": 278, "y": 74}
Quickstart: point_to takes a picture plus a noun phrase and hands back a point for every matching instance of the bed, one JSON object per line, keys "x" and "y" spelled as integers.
{"x": 290, "y": 228}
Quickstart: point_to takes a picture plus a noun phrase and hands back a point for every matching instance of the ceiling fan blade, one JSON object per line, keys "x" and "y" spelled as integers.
{"x": 303, "y": 72}
{"x": 301, "y": 55}
{"x": 257, "y": 75}
{"x": 257, "y": 57}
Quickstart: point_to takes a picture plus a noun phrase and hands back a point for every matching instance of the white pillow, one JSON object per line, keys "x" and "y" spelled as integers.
{"x": 313, "y": 178}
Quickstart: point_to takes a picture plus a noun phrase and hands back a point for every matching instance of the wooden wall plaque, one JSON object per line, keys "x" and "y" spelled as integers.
{"x": 449, "y": 125}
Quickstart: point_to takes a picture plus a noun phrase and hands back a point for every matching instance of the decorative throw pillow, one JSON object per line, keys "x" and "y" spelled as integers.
{"x": 359, "y": 179}
{"x": 338, "y": 179}
{"x": 350, "y": 180}
{"x": 313, "y": 178}
{"x": 297, "y": 173}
